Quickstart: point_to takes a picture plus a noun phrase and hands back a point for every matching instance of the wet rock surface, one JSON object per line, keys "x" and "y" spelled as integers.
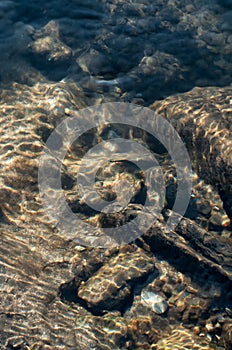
{"x": 164, "y": 290}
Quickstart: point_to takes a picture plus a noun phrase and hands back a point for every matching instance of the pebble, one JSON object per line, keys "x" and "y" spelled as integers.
{"x": 156, "y": 302}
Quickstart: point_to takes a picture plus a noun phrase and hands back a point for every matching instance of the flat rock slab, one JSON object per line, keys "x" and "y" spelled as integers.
{"x": 111, "y": 287}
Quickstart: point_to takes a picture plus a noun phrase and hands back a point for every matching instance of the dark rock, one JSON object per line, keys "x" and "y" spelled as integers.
{"x": 193, "y": 243}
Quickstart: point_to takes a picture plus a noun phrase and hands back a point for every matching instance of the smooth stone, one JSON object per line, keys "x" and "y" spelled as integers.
{"x": 154, "y": 301}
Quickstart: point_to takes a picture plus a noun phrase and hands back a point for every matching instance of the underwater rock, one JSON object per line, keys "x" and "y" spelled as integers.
{"x": 110, "y": 288}
{"x": 227, "y": 335}
{"x": 47, "y": 43}
{"x": 110, "y": 332}
{"x": 181, "y": 338}
{"x": 202, "y": 117}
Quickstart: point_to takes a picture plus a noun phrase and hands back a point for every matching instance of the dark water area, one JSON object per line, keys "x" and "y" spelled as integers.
{"x": 136, "y": 50}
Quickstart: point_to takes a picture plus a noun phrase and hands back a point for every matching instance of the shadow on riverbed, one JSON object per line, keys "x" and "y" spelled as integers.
{"x": 143, "y": 50}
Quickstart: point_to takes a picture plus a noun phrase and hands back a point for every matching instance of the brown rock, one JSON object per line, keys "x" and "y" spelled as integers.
{"x": 203, "y": 117}
{"x": 227, "y": 335}
{"x": 111, "y": 287}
